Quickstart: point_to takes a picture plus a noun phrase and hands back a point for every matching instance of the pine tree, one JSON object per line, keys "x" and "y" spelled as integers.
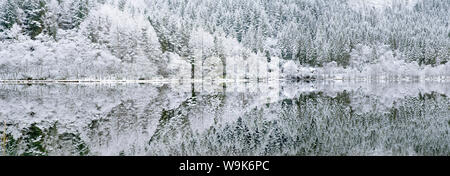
{"x": 34, "y": 17}
{"x": 122, "y": 4}
{"x": 79, "y": 11}
{"x": 8, "y": 15}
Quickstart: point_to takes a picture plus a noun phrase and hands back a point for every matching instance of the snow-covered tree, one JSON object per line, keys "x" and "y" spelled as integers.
{"x": 79, "y": 10}
{"x": 8, "y": 14}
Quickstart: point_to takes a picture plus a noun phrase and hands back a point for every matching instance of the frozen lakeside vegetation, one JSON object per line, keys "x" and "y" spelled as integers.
{"x": 224, "y": 39}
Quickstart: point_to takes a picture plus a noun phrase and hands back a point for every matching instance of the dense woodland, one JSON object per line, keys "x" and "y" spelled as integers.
{"x": 144, "y": 39}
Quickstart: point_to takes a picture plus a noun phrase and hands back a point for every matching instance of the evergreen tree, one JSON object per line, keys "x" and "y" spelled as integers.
{"x": 79, "y": 11}
{"x": 122, "y": 4}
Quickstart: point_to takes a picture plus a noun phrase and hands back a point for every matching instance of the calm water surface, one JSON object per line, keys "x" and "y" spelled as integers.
{"x": 271, "y": 118}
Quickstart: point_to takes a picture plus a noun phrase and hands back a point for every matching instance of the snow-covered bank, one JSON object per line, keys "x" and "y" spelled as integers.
{"x": 379, "y": 4}
{"x": 387, "y": 71}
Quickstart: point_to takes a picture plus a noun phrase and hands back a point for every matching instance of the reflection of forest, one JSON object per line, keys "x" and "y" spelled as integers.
{"x": 231, "y": 119}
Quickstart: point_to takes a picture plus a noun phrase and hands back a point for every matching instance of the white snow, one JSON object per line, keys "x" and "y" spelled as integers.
{"x": 378, "y": 4}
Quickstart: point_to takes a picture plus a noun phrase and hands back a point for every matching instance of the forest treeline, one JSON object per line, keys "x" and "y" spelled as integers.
{"x": 308, "y": 32}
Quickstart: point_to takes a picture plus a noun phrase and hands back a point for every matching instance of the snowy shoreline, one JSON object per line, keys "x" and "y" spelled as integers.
{"x": 140, "y": 81}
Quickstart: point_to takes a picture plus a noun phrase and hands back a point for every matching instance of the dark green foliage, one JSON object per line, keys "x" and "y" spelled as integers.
{"x": 122, "y": 4}
{"x": 166, "y": 115}
{"x": 165, "y": 44}
{"x": 343, "y": 97}
{"x": 11, "y": 145}
{"x": 34, "y": 12}
{"x": 34, "y": 139}
{"x": 80, "y": 147}
{"x": 8, "y": 15}
{"x": 37, "y": 141}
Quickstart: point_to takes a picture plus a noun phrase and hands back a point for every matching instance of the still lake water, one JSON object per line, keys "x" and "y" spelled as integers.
{"x": 270, "y": 118}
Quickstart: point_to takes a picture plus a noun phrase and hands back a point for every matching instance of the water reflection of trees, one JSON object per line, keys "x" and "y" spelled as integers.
{"x": 231, "y": 120}
{"x": 314, "y": 124}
